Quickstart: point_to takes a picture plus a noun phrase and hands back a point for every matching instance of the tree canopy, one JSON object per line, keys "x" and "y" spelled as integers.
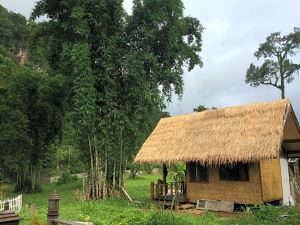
{"x": 14, "y": 32}
{"x": 278, "y": 67}
{"x": 31, "y": 111}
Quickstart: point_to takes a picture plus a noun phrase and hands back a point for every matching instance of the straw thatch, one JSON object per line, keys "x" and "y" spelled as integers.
{"x": 245, "y": 133}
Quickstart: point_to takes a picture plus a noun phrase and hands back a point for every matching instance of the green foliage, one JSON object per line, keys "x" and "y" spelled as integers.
{"x": 202, "y": 108}
{"x": 36, "y": 221}
{"x": 66, "y": 178}
{"x": 135, "y": 168}
{"x": 42, "y": 97}
{"x": 278, "y": 67}
{"x": 13, "y": 123}
{"x": 158, "y": 31}
{"x": 177, "y": 171}
{"x": 273, "y": 214}
{"x": 68, "y": 158}
{"x": 30, "y": 118}
{"x": 7, "y": 71}
{"x": 14, "y": 32}
{"x": 122, "y": 69}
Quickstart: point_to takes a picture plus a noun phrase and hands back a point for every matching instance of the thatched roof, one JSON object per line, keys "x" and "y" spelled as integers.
{"x": 245, "y": 133}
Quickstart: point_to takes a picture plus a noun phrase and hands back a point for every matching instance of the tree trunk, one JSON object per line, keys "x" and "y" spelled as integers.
{"x": 282, "y": 85}
{"x": 282, "y": 92}
{"x": 69, "y": 159}
{"x": 91, "y": 191}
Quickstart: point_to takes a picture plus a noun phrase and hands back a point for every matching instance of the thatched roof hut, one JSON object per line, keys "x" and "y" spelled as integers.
{"x": 245, "y": 133}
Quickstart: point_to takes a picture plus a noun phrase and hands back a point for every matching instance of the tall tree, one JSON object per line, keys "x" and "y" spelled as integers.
{"x": 30, "y": 118}
{"x": 122, "y": 69}
{"x": 278, "y": 67}
{"x": 42, "y": 99}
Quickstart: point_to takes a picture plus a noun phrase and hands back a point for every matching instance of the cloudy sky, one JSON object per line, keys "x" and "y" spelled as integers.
{"x": 233, "y": 31}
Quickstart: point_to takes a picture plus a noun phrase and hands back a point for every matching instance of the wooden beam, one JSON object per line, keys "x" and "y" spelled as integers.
{"x": 126, "y": 194}
{"x": 291, "y": 141}
{"x": 294, "y": 155}
{"x": 65, "y": 222}
{"x": 293, "y": 152}
{"x": 165, "y": 173}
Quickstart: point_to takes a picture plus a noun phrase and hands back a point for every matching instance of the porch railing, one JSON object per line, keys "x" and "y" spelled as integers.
{"x": 167, "y": 189}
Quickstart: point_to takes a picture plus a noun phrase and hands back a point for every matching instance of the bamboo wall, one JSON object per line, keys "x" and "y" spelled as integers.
{"x": 242, "y": 192}
{"x": 271, "y": 180}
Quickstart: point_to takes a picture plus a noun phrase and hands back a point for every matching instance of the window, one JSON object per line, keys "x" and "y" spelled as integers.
{"x": 198, "y": 172}
{"x": 237, "y": 172}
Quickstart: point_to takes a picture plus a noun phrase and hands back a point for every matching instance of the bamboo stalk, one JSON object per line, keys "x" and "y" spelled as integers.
{"x": 92, "y": 169}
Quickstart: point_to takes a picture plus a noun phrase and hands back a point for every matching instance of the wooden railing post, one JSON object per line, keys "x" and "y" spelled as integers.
{"x": 176, "y": 188}
{"x": 166, "y": 188}
{"x": 8, "y": 217}
{"x": 53, "y": 208}
{"x": 161, "y": 186}
{"x": 152, "y": 190}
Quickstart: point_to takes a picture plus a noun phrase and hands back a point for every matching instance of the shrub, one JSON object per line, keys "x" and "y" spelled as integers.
{"x": 36, "y": 221}
{"x": 268, "y": 212}
{"x": 27, "y": 187}
{"x": 65, "y": 178}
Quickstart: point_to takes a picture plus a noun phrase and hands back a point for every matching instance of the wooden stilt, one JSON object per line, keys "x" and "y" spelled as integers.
{"x": 165, "y": 173}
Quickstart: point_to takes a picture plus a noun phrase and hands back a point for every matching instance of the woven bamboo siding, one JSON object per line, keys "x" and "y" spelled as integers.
{"x": 271, "y": 180}
{"x": 242, "y": 192}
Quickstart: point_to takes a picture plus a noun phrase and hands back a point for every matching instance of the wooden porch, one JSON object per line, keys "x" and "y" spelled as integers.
{"x": 169, "y": 194}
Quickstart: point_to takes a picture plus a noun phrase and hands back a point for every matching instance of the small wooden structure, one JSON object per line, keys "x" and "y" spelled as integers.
{"x": 8, "y": 217}
{"x": 237, "y": 154}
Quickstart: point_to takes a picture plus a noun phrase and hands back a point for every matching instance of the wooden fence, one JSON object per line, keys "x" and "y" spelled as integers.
{"x": 15, "y": 204}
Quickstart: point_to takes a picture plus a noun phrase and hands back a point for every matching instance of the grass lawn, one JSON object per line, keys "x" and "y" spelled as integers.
{"x": 119, "y": 211}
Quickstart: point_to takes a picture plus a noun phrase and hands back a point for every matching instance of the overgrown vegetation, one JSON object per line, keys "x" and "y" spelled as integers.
{"x": 31, "y": 114}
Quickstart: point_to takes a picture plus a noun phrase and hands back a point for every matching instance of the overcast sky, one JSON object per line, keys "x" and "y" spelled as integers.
{"x": 233, "y": 31}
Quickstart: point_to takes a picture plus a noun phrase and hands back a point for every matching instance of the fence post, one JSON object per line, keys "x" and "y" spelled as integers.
{"x": 53, "y": 208}
{"x": 8, "y": 217}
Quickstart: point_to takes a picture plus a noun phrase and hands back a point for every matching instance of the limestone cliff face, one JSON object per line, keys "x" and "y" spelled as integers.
{"x": 23, "y": 56}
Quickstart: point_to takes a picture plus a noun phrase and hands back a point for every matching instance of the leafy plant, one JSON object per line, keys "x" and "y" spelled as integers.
{"x": 65, "y": 178}
{"x": 177, "y": 171}
{"x": 36, "y": 221}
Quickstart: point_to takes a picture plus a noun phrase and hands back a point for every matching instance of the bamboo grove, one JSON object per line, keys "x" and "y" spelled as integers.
{"x": 119, "y": 71}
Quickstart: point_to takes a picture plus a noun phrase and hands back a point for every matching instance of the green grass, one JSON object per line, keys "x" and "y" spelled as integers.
{"x": 139, "y": 187}
{"x": 119, "y": 211}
